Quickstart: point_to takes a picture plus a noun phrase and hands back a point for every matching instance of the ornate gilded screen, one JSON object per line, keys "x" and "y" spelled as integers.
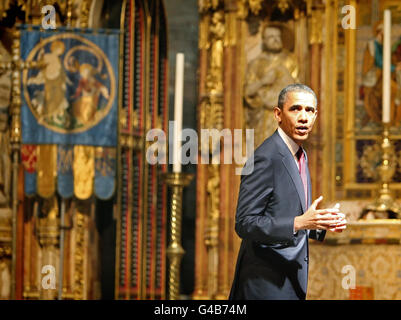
{"x": 358, "y": 107}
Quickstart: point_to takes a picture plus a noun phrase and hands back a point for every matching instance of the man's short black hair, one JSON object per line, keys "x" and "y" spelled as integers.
{"x": 296, "y": 87}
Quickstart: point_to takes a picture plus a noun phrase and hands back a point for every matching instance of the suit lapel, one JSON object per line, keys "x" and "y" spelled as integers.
{"x": 289, "y": 164}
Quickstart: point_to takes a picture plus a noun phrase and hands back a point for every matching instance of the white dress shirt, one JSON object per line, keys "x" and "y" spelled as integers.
{"x": 291, "y": 144}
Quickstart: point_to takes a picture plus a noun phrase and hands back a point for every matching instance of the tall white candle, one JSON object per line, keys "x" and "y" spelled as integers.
{"x": 386, "y": 66}
{"x": 178, "y": 102}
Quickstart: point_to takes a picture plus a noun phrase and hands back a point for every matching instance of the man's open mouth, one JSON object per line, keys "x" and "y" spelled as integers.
{"x": 302, "y": 129}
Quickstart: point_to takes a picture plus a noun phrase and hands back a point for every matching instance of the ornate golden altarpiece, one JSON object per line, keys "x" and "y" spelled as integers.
{"x": 138, "y": 203}
{"x": 37, "y": 219}
{"x": 342, "y": 169}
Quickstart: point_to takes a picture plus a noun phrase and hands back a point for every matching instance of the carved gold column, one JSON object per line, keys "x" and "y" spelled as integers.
{"x": 201, "y": 176}
{"x": 315, "y": 142}
{"x": 175, "y": 251}
{"x": 16, "y": 65}
{"x": 349, "y": 171}
{"x": 232, "y": 117}
{"x": 5, "y": 253}
{"x": 221, "y": 32}
{"x": 15, "y": 145}
{"x": 211, "y": 117}
{"x": 215, "y": 116}
{"x": 48, "y": 235}
{"x": 79, "y": 254}
{"x": 328, "y": 96}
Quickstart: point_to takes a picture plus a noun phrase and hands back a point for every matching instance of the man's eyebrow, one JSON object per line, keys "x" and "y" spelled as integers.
{"x": 300, "y": 106}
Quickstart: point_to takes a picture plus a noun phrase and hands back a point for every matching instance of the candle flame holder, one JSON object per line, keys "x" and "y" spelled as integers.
{"x": 384, "y": 203}
{"x": 177, "y": 182}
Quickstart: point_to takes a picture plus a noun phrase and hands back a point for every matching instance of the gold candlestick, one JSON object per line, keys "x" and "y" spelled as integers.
{"x": 385, "y": 202}
{"x": 175, "y": 252}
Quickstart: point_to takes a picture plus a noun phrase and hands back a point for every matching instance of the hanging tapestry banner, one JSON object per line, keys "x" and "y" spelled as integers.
{"x": 65, "y": 177}
{"x": 73, "y": 98}
{"x": 105, "y": 171}
{"x": 29, "y": 159}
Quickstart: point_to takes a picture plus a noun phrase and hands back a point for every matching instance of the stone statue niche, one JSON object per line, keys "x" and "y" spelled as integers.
{"x": 270, "y": 67}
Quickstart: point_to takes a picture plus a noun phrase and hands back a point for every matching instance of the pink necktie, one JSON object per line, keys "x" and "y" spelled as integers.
{"x": 302, "y": 172}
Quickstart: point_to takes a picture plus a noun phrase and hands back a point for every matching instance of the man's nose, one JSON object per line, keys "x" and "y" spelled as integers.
{"x": 303, "y": 116}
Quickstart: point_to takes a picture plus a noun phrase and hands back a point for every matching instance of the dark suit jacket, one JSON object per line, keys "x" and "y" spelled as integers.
{"x": 272, "y": 262}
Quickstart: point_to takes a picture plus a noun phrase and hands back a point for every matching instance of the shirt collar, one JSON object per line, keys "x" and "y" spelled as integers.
{"x": 291, "y": 144}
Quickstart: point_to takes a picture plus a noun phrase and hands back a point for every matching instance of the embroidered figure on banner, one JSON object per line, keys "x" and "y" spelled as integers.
{"x": 75, "y": 90}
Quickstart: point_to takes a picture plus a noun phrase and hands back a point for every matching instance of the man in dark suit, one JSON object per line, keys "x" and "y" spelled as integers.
{"x": 274, "y": 214}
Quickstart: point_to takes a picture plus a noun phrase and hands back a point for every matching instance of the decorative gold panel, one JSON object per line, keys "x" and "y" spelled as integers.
{"x": 372, "y": 249}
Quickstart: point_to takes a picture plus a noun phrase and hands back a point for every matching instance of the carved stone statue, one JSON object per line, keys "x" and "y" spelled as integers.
{"x": 5, "y": 162}
{"x": 215, "y": 77}
{"x": 273, "y": 69}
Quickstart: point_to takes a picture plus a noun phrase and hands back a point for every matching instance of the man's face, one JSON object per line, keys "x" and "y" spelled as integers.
{"x": 298, "y": 115}
{"x": 272, "y": 39}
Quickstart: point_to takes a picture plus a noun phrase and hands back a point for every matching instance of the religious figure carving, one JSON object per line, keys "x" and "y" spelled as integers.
{"x": 273, "y": 69}
{"x": 5, "y": 162}
{"x": 215, "y": 77}
{"x": 372, "y": 84}
{"x": 213, "y": 188}
{"x": 5, "y": 152}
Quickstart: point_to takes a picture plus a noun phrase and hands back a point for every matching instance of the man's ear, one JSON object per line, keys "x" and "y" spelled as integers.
{"x": 277, "y": 114}
{"x": 314, "y": 117}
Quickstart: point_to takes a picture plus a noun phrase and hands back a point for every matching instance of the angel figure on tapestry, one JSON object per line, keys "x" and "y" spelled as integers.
{"x": 273, "y": 69}
{"x": 372, "y": 84}
{"x": 87, "y": 94}
{"x": 51, "y": 103}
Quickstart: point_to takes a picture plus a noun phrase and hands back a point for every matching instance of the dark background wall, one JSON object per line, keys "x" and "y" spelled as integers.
{"x": 182, "y": 20}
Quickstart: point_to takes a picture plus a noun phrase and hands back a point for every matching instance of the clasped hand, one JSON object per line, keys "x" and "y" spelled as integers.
{"x": 323, "y": 219}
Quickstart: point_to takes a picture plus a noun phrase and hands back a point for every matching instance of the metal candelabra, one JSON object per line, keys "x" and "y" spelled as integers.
{"x": 384, "y": 201}
{"x": 175, "y": 251}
